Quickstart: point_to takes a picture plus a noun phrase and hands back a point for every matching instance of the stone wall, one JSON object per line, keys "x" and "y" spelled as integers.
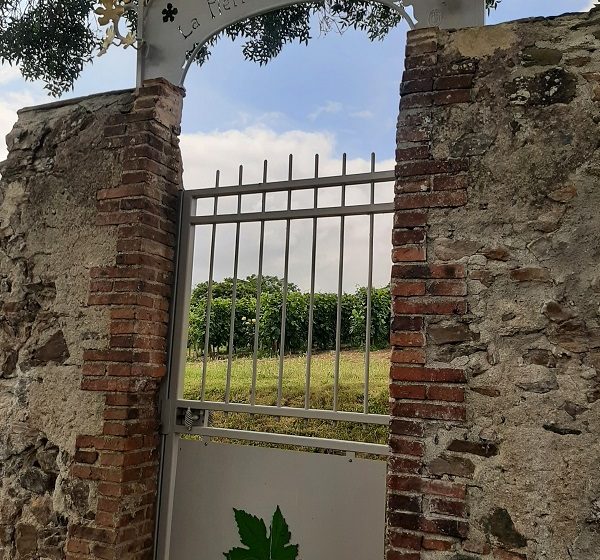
{"x": 87, "y": 209}
{"x": 495, "y": 383}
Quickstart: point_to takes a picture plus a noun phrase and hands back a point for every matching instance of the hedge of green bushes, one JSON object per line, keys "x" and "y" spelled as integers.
{"x": 353, "y": 325}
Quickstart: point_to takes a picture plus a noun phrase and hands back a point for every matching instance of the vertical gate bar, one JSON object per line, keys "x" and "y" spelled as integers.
{"x": 234, "y": 290}
{"x": 311, "y": 304}
{"x": 285, "y": 287}
{"x": 211, "y": 268}
{"x": 259, "y": 289}
{"x": 178, "y": 336}
{"x": 369, "y": 295}
{"x": 338, "y": 330}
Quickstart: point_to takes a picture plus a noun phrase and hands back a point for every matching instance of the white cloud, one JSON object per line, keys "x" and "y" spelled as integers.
{"x": 366, "y": 114}
{"x": 203, "y": 153}
{"x": 10, "y": 103}
{"x": 9, "y": 74}
{"x": 329, "y": 108}
{"x": 590, "y": 5}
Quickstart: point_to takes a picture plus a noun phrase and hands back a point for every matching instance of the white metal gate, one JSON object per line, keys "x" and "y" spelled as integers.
{"x": 334, "y": 501}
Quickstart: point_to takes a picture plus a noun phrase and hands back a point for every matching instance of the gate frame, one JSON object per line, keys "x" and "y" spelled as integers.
{"x": 173, "y": 408}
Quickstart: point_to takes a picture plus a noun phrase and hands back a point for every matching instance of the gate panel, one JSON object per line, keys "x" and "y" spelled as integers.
{"x": 334, "y": 505}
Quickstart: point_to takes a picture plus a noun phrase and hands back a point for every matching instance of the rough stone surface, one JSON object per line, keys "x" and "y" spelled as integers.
{"x": 48, "y": 242}
{"x": 520, "y": 136}
{"x": 534, "y": 192}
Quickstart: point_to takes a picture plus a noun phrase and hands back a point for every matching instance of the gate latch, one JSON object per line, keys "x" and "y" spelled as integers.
{"x": 190, "y": 417}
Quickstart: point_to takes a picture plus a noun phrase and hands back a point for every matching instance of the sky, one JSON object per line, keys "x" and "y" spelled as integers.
{"x": 338, "y": 94}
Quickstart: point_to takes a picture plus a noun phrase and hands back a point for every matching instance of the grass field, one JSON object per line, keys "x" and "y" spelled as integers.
{"x": 350, "y": 396}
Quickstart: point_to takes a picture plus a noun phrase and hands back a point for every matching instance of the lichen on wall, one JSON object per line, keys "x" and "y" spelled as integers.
{"x": 48, "y": 243}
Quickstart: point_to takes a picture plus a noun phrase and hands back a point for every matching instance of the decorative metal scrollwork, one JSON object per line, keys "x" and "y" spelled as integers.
{"x": 110, "y": 13}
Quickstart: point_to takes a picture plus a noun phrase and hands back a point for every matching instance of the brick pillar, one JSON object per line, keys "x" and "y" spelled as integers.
{"x": 426, "y": 487}
{"x": 136, "y": 291}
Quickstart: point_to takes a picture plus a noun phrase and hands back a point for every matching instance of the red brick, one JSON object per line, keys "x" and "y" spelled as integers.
{"x": 407, "y": 338}
{"x": 112, "y": 299}
{"x": 78, "y": 546}
{"x": 403, "y": 446}
{"x": 418, "y": 73}
{"x": 88, "y": 457}
{"x": 121, "y": 413}
{"x": 443, "y": 488}
{"x": 447, "y": 527}
{"x": 411, "y": 185}
{"x": 108, "y": 355}
{"x": 447, "y": 271}
{"x": 433, "y": 375}
{"x": 447, "y": 394}
{"x": 409, "y": 356}
{"x": 447, "y": 288}
{"x": 398, "y": 555}
{"x": 409, "y": 254}
{"x": 410, "y": 271}
{"x": 450, "y": 508}
{"x": 107, "y": 384}
{"x": 114, "y": 130}
{"x": 414, "y": 218}
{"x": 122, "y": 191}
{"x": 409, "y": 154}
{"x": 401, "y": 520}
{"x": 407, "y": 427}
{"x": 429, "y": 411}
{"x": 400, "y": 465}
{"x": 450, "y": 182}
{"x": 404, "y": 483}
{"x": 434, "y": 271}
{"x": 431, "y": 167}
{"x": 404, "y": 323}
{"x": 416, "y": 86}
{"x": 101, "y": 286}
{"x": 121, "y": 341}
{"x": 93, "y": 369}
{"x": 458, "y": 81}
{"x": 442, "y": 199}
{"x": 430, "y": 543}
{"x": 452, "y": 96}
{"x": 406, "y": 289}
{"x": 413, "y": 134}
{"x": 424, "y": 46}
{"x": 408, "y": 541}
{"x": 125, "y": 399}
{"x": 401, "y": 502}
{"x": 417, "y": 61}
{"x": 414, "y": 100}
{"x": 431, "y": 306}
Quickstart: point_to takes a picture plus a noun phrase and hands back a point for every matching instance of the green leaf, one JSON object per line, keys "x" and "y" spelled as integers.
{"x": 280, "y": 533}
{"x": 253, "y": 533}
{"x": 240, "y": 554}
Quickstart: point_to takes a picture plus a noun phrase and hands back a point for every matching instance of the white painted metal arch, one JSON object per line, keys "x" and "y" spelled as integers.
{"x": 171, "y": 32}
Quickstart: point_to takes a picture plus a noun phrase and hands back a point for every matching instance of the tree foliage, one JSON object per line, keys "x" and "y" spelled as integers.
{"x": 353, "y": 318}
{"x": 52, "y": 40}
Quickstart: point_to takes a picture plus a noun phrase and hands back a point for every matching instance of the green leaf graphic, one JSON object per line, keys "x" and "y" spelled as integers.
{"x": 253, "y": 534}
{"x": 280, "y": 538}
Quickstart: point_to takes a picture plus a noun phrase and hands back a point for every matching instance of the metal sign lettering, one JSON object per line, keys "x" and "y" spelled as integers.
{"x": 171, "y": 32}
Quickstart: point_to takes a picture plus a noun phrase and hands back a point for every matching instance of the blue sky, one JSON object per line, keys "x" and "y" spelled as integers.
{"x": 339, "y": 93}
